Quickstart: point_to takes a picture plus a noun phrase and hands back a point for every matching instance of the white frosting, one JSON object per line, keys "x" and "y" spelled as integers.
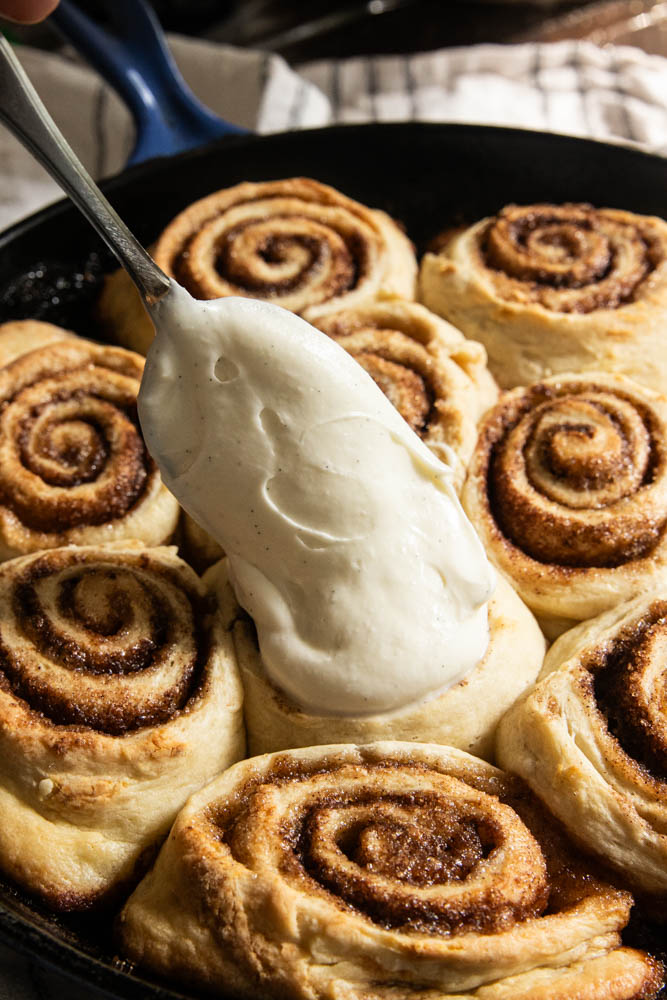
{"x": 346, "y": 541}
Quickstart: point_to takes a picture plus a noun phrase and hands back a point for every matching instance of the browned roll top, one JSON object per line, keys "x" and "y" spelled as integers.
{"x": 103, "y": 640}
{"x": 71, "y": 451}
{"x": 577, "y": 473}
{"x": 295, "y": 242}
{"x": 627, "y": 683}
{"x": 404, "y": 846}
{"x": 570, "y": 258}
{"x": 269, "y": 257}
{"x": 385, "y": 870}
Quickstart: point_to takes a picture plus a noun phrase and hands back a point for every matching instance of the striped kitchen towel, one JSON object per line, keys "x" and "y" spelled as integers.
{"x": 572, "y": 87}
{"x": 617, "y": 94}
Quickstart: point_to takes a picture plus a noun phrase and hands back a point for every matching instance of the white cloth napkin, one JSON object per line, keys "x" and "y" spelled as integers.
{"x": 617, "y": 94}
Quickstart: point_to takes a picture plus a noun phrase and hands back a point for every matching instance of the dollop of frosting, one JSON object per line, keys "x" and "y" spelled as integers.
{"x": 346, "y": 542}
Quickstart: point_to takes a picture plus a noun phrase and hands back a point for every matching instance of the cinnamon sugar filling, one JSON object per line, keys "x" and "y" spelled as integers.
{"x": 271, "y": 255}
{"x": 115, "y": 647}
{"x": 72, "y": 453}
{"x": 628, "y": 683}
{"x": 400, "y": 366}
{"x": 430, "y": 855}
{"x": 573, "y": 474}
{"x": 405, "y": 388}
{"x": 569, "y": 258}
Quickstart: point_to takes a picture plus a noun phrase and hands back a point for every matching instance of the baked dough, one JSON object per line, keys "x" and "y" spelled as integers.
{"x": 73, "y": 465}
{"x": 297, "y": 243}
{"x": 391, "y": 871}
{"x": 436, "y": 379}
{"x": 119, "y": 696}
{"x": 557, "y": 288}
{"x": 19, "y": 336}
{"x": 591, "y": 739}
{"x": 465, "y": 715}
{"x": 567, "y": 489}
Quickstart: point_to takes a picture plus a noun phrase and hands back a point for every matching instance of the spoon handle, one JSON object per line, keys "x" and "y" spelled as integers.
{"x": 23, "y": 113}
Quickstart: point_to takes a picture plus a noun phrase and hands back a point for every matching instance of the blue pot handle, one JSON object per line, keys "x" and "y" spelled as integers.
{"x": 136, "y": 62}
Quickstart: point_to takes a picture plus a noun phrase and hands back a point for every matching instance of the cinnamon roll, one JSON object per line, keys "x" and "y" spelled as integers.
{"x": 464, "y": 715}
{"x": 297, "y": 243}
{"x": 22, "y": 335}
{"x": 119, "y": 696}
{"x": 568, "y": 490}
{"x": 436, "y": 379}
{"x": 557, "y": 288}
{"x": 73, "y": 465}
{"x": 591, "y": 739}
{"x": 379, "y": 872}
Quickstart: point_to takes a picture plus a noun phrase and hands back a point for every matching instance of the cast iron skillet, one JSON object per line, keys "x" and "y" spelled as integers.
{"x": 426, "y": 176}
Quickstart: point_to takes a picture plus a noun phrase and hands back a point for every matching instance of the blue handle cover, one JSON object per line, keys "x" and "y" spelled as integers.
{"x": 136, "y": 62}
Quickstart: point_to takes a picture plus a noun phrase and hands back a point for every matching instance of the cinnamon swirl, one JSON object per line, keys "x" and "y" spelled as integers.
{"x": 296, "y": 242}
{"x": 73, "y": 465}
{"x": 465, "y": 715}
{"x": 568, "y": 490}
{"x": 557, "y": 288}
{"x": 436, "y": 379}
{"x": 379, "y": 872}
{"x": 119, "y": 697}
{"x": 591, "y": 739}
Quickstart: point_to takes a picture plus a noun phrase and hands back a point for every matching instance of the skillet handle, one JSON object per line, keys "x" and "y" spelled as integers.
{"x": 22, "y": 111}
{"x": 136, "y": 62}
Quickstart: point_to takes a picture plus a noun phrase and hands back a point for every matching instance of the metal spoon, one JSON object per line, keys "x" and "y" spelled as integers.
{"x": 23, "y": 113}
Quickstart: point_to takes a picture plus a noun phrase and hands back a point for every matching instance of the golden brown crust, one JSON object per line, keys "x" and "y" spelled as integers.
{"x": 296, "y": 242}
{"x": 568, "y": 490}
{"x": 380, "y": 871}
{"x": 118, "y": 697}
{"x": 73, "y": 465}
{"x": 591, "y": 738}
{"x": 556, "y": 288}
{"x": 437, "y": 380}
